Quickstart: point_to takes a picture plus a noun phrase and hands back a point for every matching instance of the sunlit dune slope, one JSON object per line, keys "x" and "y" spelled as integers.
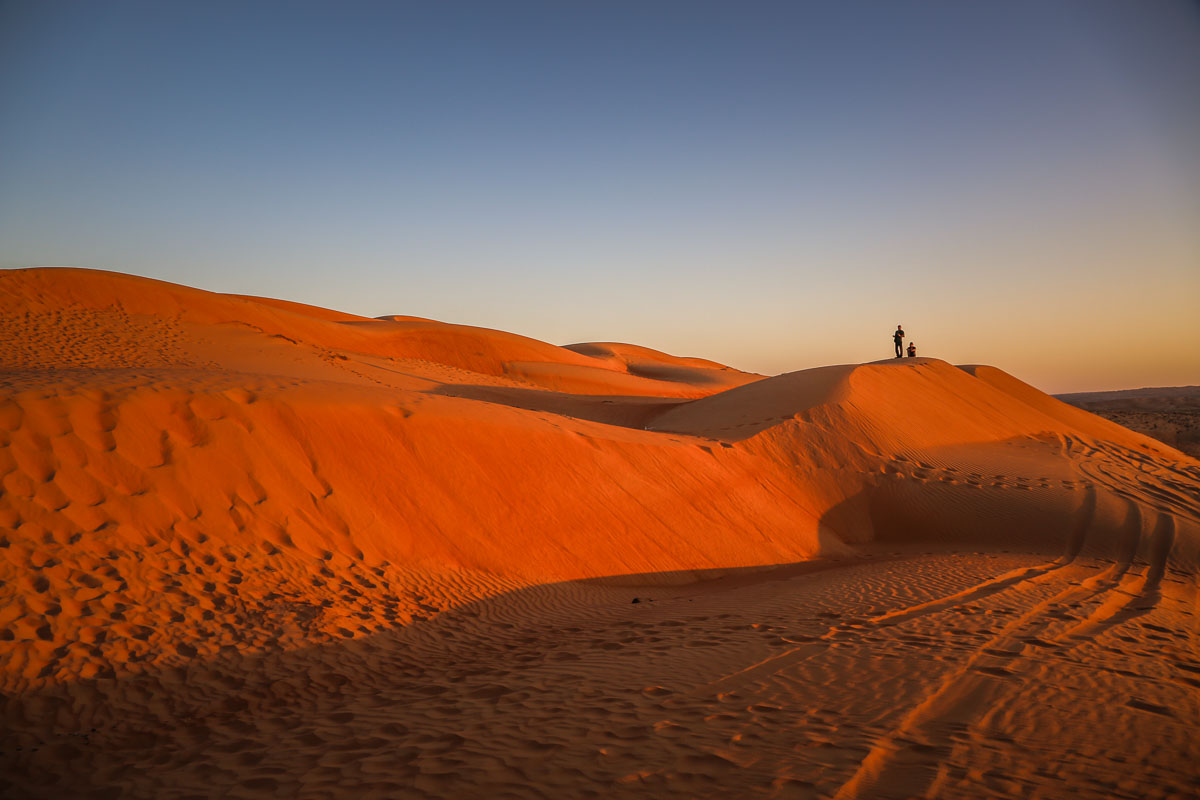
{"x": 179, "y": 467}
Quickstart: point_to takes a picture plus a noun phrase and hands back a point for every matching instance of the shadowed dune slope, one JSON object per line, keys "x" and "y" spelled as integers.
{"x": 174, "y": 461}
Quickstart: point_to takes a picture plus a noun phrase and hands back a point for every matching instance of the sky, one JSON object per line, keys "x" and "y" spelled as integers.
{"x": 772, "y": 185}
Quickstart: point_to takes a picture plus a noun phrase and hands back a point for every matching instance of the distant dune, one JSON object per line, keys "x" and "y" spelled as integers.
{"x": 256, "y": 548}
{"x": 1170, "y": 414}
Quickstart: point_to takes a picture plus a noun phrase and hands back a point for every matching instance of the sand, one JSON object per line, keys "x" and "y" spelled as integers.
{"x": 252, "y": 548}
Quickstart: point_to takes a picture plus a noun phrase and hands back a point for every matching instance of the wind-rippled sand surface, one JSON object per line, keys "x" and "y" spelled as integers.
{"x": 256, "y": 549}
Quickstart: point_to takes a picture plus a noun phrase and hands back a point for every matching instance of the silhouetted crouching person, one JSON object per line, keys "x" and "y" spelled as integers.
{"x": 912, "y": 350}
{"x": 898, "y": 338}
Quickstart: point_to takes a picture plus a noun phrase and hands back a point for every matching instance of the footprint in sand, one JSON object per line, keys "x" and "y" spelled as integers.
{"x": 1153, "y": 708}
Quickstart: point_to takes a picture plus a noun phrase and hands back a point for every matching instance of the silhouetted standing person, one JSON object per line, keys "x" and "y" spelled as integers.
{"x": 898, "y": 338}
{"x": 912, "y": 350}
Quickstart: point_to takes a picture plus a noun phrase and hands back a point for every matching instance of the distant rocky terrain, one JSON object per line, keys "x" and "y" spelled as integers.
{"x": 1170, "y": 414}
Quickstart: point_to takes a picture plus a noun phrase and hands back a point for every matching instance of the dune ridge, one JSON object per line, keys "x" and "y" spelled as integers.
{"x": 210, "y": 486}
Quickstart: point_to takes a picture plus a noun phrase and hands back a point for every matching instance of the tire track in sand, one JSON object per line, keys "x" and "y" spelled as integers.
{"x": 909, "y": 759}
{"x": 806, "y": 647}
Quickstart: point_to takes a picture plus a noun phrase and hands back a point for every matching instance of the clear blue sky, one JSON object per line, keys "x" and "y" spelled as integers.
{"x": 771, "y": 185}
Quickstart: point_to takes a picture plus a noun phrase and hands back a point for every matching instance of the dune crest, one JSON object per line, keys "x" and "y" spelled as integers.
{"x": 191, "y": 478}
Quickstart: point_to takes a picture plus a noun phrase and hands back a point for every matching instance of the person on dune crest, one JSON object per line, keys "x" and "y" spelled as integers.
{"x": 898, "y": 339}
{"x": 912, "y": 350}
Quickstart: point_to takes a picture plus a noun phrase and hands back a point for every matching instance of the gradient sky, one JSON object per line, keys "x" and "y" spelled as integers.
{"x": 770, "y": 185}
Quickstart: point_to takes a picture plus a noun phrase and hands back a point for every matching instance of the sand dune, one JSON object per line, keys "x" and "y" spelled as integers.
{"x": 256, "y": 548}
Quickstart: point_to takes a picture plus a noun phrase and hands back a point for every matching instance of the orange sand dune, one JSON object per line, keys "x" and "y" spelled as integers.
{"x": 256, "y": 548}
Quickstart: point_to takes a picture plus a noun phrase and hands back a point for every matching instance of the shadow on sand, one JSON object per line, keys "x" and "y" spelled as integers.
{"x": 555, "y": 690}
